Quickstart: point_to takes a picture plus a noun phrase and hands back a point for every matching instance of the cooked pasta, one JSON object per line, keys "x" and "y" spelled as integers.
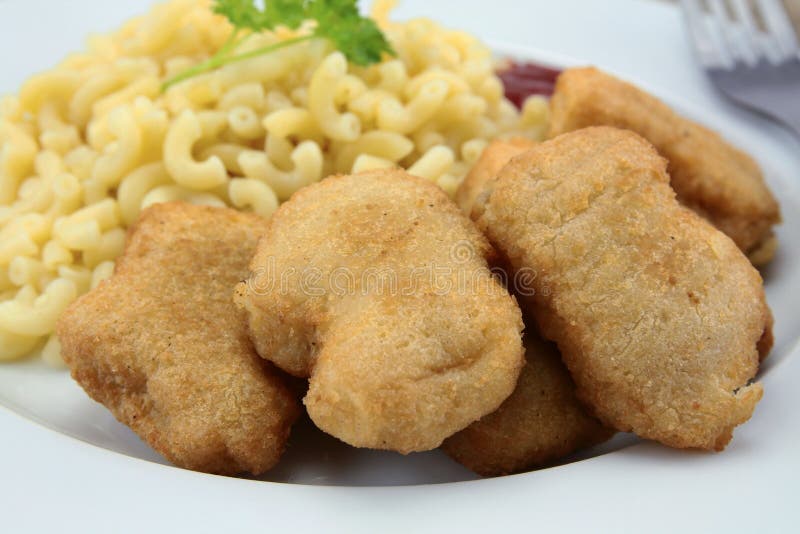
{"x": 87, "y": 145}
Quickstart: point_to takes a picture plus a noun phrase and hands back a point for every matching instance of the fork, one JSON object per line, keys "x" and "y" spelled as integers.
{"x": 759, "y": 69}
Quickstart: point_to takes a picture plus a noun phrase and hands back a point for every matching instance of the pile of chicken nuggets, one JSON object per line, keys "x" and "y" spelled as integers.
{"x": 600, "y": 281}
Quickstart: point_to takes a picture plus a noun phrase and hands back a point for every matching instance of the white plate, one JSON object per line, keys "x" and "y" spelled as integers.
{"x": 56, "y": 482}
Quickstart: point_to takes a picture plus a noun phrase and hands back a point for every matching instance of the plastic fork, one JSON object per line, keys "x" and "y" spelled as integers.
{"x": 757, "y": 68}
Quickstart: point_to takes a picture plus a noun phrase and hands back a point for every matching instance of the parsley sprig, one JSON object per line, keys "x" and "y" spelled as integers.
{"x": 338, "y": 21}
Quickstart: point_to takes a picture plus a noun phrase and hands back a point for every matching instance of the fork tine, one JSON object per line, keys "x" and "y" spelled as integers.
{"x": 733, "y": 33}
{"x": 767, "y": 43}
{"x": 749, "y": 29}
{"x": 710, "y": 51}
{"x": 778, "y": 24}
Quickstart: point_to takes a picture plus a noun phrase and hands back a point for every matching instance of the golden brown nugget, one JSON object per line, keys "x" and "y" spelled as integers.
{"x": 539, "y": 423}
{"x": 355, "y": 286}
{"x": 474, "y": 191}
{"x": 715, "y": 179}
{"x": 657, "y": 314}
{"x": 471, "y": 191}
{"x": 162, "y": 345}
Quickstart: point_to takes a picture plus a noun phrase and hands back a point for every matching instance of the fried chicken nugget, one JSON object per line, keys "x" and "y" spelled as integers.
{"x": 710, "y": 176}
{"x": 539, "y": 423}
{"x": 657, "y": 314}
{"x": 162, "y": 345}
{"x": 543, "y": 419}
{"x": 472, "y": 190}
{"x": 355, "y": 285}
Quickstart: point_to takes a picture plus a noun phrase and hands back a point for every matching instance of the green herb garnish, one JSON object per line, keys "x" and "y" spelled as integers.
{"x": 338, "y": 21}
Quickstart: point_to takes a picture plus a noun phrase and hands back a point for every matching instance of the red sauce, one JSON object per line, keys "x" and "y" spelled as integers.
{"x": 521, "y": 80}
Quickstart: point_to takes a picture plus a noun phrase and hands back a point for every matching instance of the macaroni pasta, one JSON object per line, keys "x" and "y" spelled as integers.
{"x": 87, "y": 145}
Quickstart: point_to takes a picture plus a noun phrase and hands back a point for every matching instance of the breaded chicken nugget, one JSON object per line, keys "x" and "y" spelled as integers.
{"x": 474, "y": 191}
{"x": 715, "y": 179}
{"x": 377, "y": 288}
{"x": 493, "y": 158}
{"x": 162, "y": 345}
{"x": 539, "y": 423}
{"x": 657, "y": 314}
{"x": 542, "y": 420}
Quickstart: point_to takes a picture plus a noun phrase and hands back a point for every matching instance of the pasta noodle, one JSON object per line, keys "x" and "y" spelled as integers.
{"x": 87, "y": 145}
{"x": 387, "y": 145}
{"x": 434, "y": 163}
{"x": 101, "y": 272}
{"x": 51, "y": 352}
{"x": 37, "y": 318}
{"x": 173, "y": 193}
{"x": 307, "y": 159}
{"x": 365, "y": 162}
{"x": 184, "y": 169}
{"x": 244, "y": 123}
{"x": 135, "y": 187}
{"x": 246, "y": 192}
{"x": 321, "y": 100}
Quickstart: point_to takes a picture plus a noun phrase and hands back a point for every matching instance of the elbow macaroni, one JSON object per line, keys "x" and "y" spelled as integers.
{"x": 434, "y": 163}
{"x": 307, "y": 159}
{"x": 135, "y": 187}
{"x": 322, "y": 100}
{"x": 387, "y": 145}
{"x": 89, "y": 144}
{"x": 37, "y": 318}
{"x": 124, "y": 152}
{"x": 250, "y": 193}
{"x": 184, "y": 169}
{"x": 394, "y": 116}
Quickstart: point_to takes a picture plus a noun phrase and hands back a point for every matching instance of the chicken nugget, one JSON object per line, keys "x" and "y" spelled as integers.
{"x": 657, "y": 314}
{"x": 162, "y": 345}
{"x": 542, "y": 420}
{"x": 471, "y": 191}
{"x": 710, "y": 176}
{"x": 539, "y": 423}
{"x": 377, "y": 288}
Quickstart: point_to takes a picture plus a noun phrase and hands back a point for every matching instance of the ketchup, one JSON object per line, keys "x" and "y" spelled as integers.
{"x": 521, "y": 80}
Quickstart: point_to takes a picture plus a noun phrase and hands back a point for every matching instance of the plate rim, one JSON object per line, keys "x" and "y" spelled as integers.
{"x": 463, "y": 507}
{"x": 503, "y": 50}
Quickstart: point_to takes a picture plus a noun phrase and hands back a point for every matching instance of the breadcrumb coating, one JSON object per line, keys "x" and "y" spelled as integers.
{"x": 162, "y": 345}
{"x": 399, "y": 355}
{"x": 539, "y": 423}
{"x": 709, "y": 175}
{"x": 657, "y": 314}
{"x": 472, "y": 193}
